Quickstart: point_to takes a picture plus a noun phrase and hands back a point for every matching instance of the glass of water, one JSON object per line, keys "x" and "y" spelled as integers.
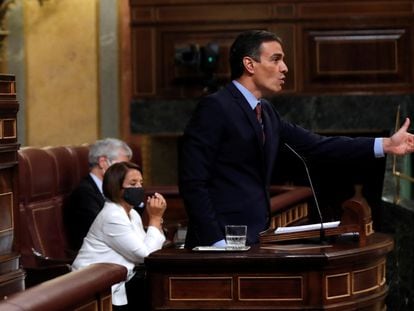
{"x": 236, "y": 236}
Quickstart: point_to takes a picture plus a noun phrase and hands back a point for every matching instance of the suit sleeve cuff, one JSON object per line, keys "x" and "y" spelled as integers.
{"x": 221, "y": 243}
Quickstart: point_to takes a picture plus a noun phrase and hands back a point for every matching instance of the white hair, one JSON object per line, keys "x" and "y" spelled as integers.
{"x": 108, "y": 147}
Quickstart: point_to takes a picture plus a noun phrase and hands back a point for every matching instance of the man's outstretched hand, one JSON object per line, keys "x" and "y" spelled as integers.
{"x": 401, "y": 143}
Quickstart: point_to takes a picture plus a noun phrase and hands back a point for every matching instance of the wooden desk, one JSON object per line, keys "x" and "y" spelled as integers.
{"x": 342, "y": 276}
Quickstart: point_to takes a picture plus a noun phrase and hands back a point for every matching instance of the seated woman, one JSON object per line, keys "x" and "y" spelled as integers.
{"x": 117, "y": 234}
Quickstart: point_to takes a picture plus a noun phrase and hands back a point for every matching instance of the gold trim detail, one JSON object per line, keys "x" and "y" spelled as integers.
{"x": 368, "y": 289}
{"x": 2, "y": 136}
{"x": 348, "y": 279}
{"x": 382, "y": 270}
{"x": 293, "y": 214}
{"x": 369, "y": 229}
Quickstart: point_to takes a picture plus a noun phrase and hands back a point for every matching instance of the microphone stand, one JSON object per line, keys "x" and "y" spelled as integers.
{"x": 322, "y": 231}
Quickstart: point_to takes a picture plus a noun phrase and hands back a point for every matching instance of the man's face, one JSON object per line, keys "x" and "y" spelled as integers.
{"x": 269, "y": 73}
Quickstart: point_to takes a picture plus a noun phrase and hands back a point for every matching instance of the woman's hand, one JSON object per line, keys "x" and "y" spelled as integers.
{"x": 156, "y": 206}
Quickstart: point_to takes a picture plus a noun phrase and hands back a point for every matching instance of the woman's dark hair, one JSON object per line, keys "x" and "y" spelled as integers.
{"x": 248, "y": 43}
{"x": 114, "y": 178}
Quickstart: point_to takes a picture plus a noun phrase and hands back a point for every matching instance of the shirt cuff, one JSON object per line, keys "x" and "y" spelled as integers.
{"x": 378, "y": 149}
{"x": 221, "y": 243}
{"x": 156, "y": 233}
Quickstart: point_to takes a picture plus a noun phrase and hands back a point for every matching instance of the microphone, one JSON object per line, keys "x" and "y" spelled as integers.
{"x": 322, "y": 232}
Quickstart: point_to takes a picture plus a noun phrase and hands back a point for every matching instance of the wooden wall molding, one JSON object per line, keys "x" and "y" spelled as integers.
{"x": 331, "y": 46}
{"x": 347, "y": 9}
{"x": 212, "y": 13}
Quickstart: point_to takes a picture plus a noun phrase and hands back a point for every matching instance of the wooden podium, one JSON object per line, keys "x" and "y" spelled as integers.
{"x": 356, "y": 218}
{"x": 344, "y": 275}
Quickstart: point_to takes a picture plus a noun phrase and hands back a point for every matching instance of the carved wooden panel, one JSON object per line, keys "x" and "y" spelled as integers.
{"x": 331, "y": 46}
{"x": 290, "y": 288}
{"x": 338, "y": 286}
{"x": 356, "y": 59}
{"x": 143, "y": 61}
{"x": 156, "y": 70}
{"x": 201, "y": 288}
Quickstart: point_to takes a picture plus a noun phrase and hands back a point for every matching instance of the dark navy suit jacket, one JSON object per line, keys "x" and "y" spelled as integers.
{"x": 225, "y": 169}
{"x": 85, "y": 202}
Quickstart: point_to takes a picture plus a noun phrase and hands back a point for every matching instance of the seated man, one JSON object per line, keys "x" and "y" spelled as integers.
{"x": 87, "y": 199}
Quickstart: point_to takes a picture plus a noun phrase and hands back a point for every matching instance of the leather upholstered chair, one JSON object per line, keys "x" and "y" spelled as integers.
{"x": 68, "y": 174}
{"x": 37, "y": 189}
{"x": 67, "y": 169}
{"x": 46, "y": 178}
{"x": 81, "y": 164}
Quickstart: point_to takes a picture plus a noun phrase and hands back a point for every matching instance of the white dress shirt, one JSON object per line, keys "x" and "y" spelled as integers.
{"x": 115, "y": 238}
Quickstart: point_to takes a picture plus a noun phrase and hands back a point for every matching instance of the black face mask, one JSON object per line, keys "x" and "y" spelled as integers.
{"x": 134, "y": 196}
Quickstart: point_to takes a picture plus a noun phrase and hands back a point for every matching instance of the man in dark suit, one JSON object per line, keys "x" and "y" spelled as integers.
{"x": 228, "y": 149}
{"x": 87, "y": 200}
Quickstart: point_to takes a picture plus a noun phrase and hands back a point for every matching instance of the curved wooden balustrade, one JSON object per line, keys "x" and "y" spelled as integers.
{"x": 84, "y": 289}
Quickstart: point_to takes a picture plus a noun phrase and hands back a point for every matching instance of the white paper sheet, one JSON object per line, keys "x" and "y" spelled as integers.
{"x": 326, "y": 225}
{"x": 220, "y": 249}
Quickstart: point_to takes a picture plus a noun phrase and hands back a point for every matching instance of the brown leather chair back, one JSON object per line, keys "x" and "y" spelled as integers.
{"x": 47, "y": 176}
{"x": 80, "y": 155}
{"x": 40, "y": 206}
{"x": 66, "y": 169}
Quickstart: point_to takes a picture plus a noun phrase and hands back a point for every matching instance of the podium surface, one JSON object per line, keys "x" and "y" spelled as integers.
{"x": 342, "y": 275}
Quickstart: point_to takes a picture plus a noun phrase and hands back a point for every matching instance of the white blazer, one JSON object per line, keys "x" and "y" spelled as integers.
{"x": 115, "y": 238}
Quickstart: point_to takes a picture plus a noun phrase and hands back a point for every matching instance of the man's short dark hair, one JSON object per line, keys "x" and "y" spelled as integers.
{"x": 114, "y": 179}
{"x": 248, "y": 43}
